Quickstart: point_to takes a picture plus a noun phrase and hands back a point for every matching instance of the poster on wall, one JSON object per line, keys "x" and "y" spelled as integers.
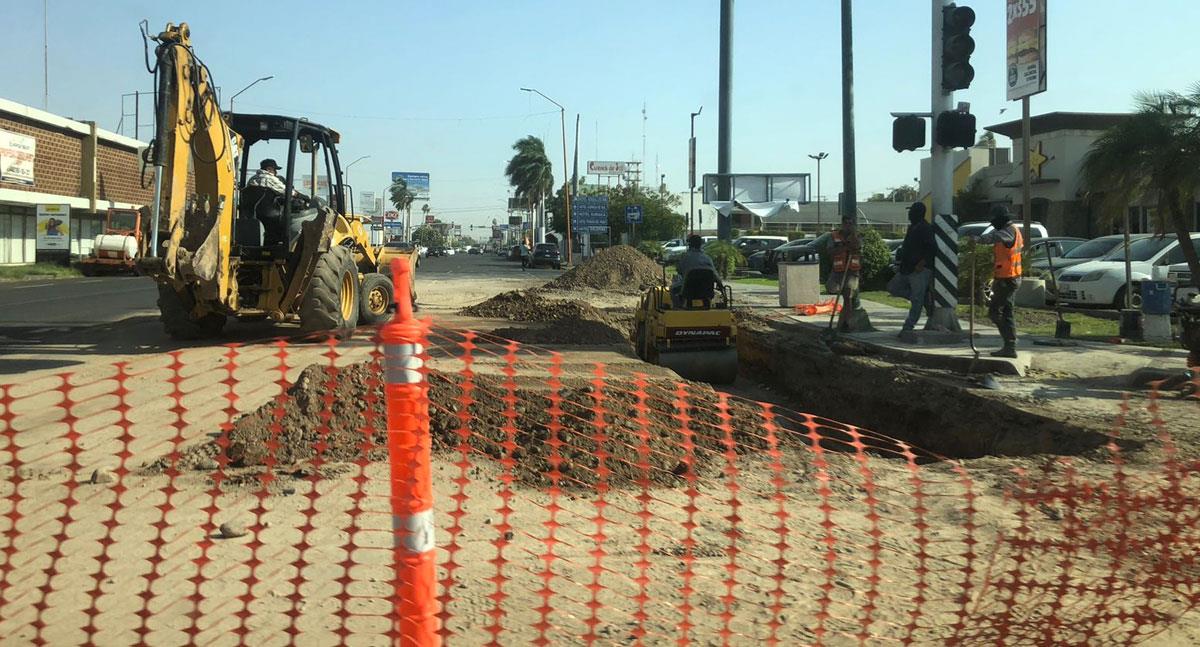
{"x": 16, "y": 157}
{"x": 1026, "y": 72}
{"x": 54, "y": 227}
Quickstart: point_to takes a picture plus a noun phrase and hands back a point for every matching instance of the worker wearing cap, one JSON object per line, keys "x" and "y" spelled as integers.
{"x": 693, "y": 259}
{"x": 1007, "y": 242}
{"x": 267, "y": 176}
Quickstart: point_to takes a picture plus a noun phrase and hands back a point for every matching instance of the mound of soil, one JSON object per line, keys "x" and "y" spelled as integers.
{"x": 619, "y": 269}
{"x": 566, "y": 331}
{"x": 530, "y": 305}
{"x": 328, "y": 412}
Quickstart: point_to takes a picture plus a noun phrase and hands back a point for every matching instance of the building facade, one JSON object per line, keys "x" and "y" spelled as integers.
{"x": 49, "y": 159}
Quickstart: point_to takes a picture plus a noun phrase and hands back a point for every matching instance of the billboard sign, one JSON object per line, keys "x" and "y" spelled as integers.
{"x": 607, "y": 168}
{"x": 366, "y": 202}
{"x": 16, "y": 157}
{"x": 322, "y": 183}
{"x": 589, "y": 214}
{"x": 430, "y": 218}
{"x": 1026, "y": 70}
{"x": 519, "y": 204}
{"x": 515, "y": 220}
{"x": 633, "y": 214}
{"x": 391, "y": 216}
{"x": 758, "y": 187}
{"x": 54, "y": 226}
{"x": 418, "y": 183}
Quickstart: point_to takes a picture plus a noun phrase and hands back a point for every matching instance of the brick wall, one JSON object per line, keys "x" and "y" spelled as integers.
{"x": 118, "y": 175}
{"x": 56, "y": 165}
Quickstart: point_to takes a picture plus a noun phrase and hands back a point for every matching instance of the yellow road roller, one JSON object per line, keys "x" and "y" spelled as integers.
{"x": 692, "y": 331}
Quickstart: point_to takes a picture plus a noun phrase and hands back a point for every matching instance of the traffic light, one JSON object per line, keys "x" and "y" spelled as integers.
{"x": 957, "y": 47}
{"x": 955, "y": 129}
{"x": 908, "y": 133}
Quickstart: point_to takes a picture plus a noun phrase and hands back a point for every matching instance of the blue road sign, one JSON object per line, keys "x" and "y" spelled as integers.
{"x": 633, "y": 214}
{"x": 589, "y": 214}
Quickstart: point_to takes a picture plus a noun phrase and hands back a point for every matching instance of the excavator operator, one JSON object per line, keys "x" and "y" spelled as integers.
{"x": 267, "y": 177}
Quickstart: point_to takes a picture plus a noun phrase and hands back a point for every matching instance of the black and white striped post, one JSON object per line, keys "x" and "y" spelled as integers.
{"x": 941, "y": 174}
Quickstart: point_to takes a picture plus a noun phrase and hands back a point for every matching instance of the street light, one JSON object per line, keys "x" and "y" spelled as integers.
{"x": 819, "y": 157}
{"x": 352, "y": 164}
{"x": 256, "y": 82}
{"x": 692, "y": 174}
{"x": 562, "y": 114}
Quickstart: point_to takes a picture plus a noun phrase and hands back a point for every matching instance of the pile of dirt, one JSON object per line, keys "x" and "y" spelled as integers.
{"x": 530, "y": 305}
{"x": 619, "y": 269}
{"x": 329, "y": 413}
{"x": 566, "y": 331}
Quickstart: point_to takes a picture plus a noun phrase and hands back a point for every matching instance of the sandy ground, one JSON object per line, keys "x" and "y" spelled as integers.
{"x": 795, "y": 546}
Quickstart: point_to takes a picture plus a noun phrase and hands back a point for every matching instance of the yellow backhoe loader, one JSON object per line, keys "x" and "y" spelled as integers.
{"x": 220, "y": 248}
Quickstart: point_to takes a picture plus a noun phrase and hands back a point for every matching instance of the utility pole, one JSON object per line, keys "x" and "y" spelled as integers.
{"x": 575, "y": 168}
{"x": 945, "y": 223}
{"x": 849, "y": 188}
{"x": 724, "y": 118}
{"x": 819, "y": 156}
{"x": 692, "y": 174}
{"x": 46, "y": 55}
{"x": 1026, "y": 175}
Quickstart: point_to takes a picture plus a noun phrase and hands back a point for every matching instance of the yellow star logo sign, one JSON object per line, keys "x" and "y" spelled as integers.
{"x": 1036, "y": 161}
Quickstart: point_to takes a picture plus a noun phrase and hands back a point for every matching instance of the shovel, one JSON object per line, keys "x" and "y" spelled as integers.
{"x": 986, "y": 381}
{"x": 1062, "y": 327}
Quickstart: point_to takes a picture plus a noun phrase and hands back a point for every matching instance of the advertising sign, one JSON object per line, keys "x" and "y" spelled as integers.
{"x": 516, "y": 220}
{"x": 54, "y": 226}
{"x": 607, "y": 168}
{"x": 633, "y": 214}
{"x": 1026, "y": 48}
{"x": 322, "y": 183}
{"x": 589, "y": 214}
{"x": 430, "y": 218}
{"x": 366, "y": 202}
{"x": 391, "y": 216}
{"x": 16, "y": 157}
{"x": 418, "y": 183}
{"x": 519, "y": 204}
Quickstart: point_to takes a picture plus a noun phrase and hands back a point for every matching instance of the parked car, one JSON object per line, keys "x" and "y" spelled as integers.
{"x": 674, "y": 251}
{"x": 1180, "y": 277}
{"x": 786, "y": 253}
{"x": 474, "y": 251}
{"x": 977, "y": 229}
{"x": 546, "y": 254}
{"x": 436, "y": 251}
{"x": 748, "y": 245}
{"x": 1071, "y": 252}
{"x": 1102, "y": 282}
{"x": 502, "y": 252}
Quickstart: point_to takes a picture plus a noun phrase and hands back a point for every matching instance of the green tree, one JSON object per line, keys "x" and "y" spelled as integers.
{"x": 529, "y": 170}
{"x": 902, "y": 193}
{"x": 876, "y": 260}
{"x": 972, "y": 202}
{"x": 659, "y": 220}
{"x": 400, "y": 196}
{"x": 1155, "y": 155}
{"x": 428, "y": 236}
{"x": 725, "y": 257}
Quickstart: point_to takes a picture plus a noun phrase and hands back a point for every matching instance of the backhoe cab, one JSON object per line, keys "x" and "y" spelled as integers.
{"x": 224, "y": 248}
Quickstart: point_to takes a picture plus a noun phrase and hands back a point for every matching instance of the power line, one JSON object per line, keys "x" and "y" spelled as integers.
{"x": 383, "y": 118}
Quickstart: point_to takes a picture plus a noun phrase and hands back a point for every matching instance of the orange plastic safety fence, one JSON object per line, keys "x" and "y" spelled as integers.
{"x": 243, "y": 494}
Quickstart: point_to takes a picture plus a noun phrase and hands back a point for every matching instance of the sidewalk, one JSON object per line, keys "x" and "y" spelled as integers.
{"x": 952, "y": 351}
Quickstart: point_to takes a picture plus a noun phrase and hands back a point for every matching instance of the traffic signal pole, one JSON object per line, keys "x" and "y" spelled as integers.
{"x": 945, "y": 222}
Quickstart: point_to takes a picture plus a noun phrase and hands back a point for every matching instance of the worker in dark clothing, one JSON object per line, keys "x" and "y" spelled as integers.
{"x": 694, "y": 258}
{"x": 1007, "y": 243}
{"x": 916, "y": 262}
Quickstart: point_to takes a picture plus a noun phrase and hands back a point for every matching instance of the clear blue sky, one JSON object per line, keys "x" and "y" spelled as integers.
{"x": 433, "y": 86}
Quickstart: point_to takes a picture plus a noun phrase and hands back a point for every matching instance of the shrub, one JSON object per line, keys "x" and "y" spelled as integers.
{"x": 652, "y": 249}
{"x": 725, "y": 256}
{"x": 983, "y": 260}
{"x": 876, "y": 261}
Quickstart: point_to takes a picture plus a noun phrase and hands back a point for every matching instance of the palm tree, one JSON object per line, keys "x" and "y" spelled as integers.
{"x": 425, "y": 211}
{"x": 400, "y": 196}
{"x": 1154, "y": 154}
{"x": 529, "y": 171}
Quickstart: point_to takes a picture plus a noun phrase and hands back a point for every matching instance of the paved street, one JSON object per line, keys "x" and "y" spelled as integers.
{"x": 74, "y": 302}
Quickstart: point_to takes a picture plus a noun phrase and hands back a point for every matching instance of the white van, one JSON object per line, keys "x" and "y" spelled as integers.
{"x": 747, "y": 245}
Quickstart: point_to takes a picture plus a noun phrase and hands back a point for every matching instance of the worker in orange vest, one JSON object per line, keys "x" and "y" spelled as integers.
{"x": 1007, "y": 242}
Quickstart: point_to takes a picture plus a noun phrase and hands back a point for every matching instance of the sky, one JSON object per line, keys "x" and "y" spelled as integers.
{"x": 435, "y": 86}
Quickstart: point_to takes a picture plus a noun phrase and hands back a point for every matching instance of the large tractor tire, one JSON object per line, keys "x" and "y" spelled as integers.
{"x": 376, "y": 297}
{"x": 331, "y": 301}
{"x": 175, "y": 312}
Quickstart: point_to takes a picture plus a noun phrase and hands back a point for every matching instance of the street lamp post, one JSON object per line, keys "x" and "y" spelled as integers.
{"x": 254, "y": 83}
{"x": 562, "y": 114}
{"x": 692, "y": 174}
{"x": 348, "y": 185}
{"x": 819, "y": 157}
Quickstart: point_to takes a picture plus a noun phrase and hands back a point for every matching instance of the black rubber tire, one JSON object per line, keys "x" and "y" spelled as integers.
{"x": 1119, "y": 299}
{"x": 321, "y": 304}
{"x": 175, "y": 312}
{"x": 372, "y": 283}
{"x": 640, "y": 341}
{"x": 86, "y": 269}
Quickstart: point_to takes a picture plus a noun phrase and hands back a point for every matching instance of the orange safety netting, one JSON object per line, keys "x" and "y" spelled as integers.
{"x": 243, "y": 495}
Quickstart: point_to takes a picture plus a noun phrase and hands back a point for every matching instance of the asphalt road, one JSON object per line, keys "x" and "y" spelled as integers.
{"x": 75, "y": 302}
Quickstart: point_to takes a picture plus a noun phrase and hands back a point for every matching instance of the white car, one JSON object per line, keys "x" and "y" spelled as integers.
{"x": 673, "y": 249}
{"x": 1180, "y": 275}
{"x": 977, "y": 229}
{"x": 1102, "y": 282}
